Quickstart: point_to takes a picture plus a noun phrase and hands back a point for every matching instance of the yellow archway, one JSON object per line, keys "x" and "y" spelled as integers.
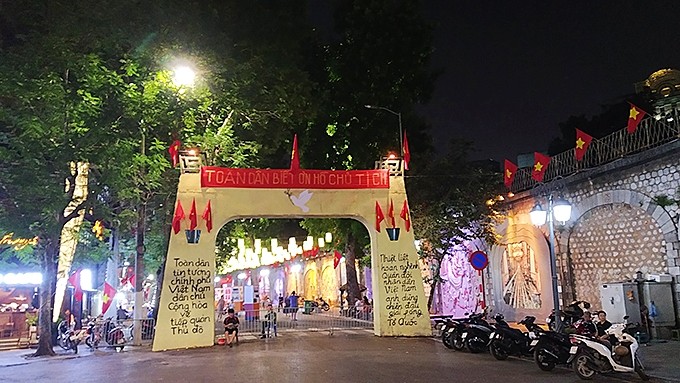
{"x": 210, "y": 197}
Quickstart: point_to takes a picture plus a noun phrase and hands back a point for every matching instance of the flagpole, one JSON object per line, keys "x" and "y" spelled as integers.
{"x": 401, "y": 137}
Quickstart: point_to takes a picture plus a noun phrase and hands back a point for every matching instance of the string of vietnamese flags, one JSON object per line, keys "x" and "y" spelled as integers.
{"x": 380, "y": 216}
{"x": 179, "y": 216}
{"x": 583, "y": 140}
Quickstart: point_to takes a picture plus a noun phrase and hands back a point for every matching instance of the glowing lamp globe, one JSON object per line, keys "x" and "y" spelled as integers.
{"x": 562, "y": 210}
{"x": 537, "y": 215}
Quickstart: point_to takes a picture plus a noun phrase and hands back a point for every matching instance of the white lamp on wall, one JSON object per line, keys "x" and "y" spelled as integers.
{"x": 559, "y": 210}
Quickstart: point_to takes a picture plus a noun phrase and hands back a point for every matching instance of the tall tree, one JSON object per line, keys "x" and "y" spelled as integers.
{"x": 378, "y": 54}
{"x": 453, "y": 202}
{"x": 51, "y": 116}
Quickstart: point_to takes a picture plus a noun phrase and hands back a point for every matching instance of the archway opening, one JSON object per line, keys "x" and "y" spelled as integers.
{"x": 298, "y": 267}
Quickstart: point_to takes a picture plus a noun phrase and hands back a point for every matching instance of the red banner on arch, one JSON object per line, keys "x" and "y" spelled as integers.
{"x": 216, "y": 177}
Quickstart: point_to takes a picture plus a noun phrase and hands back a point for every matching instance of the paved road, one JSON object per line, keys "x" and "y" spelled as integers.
{"x": 351, "y": 356}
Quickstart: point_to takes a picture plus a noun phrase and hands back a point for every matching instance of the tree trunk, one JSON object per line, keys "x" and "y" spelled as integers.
{"x": 353, "y": 293}
{"x": 49, "y": 268}
{"x": 139, "y": 275}
{"x": 160, "y": 272}
{"x": 433, "y": 286}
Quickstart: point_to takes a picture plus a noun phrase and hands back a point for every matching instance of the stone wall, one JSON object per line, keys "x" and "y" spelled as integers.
{"x": 610, "y": 243}
{"x": 618, "y": 226}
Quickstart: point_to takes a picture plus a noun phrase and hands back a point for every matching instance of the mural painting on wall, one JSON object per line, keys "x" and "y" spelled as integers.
{"x": 460, "y": 285}
{"x": 265, "y": 288}
{"x": 521, "y": 282}
{"x": 329, "y": 285}
{"x": 311, "y": 289}
{"x": 278, "y": 289}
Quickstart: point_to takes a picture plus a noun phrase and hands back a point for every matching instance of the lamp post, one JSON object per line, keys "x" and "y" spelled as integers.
{"x": 401, "y": 134}
{"x": 561, "y": 211}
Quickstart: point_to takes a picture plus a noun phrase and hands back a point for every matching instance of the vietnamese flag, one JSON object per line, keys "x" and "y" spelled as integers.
{"x": 74, "y": 280}
{"x": 107, "y": 297}
{"x": 178, "y": 217}
{"x": 582, "y": 142}
{"x": 337, "y": 256}
{"x": 541, "y": 162}
{"x": 192, "y": 216}
{"x": 634, "y": 117}
{"x": 509, "y": 173}
{"x": 406, "y": 151}
{"x": 405, "y": 216}
{"x": 207, "y": 216}
{"x": 390, "y": 213}
{"x": 379, "y": 216}
{"x": 295, "y": 157}
{"x": 174, "y": 152}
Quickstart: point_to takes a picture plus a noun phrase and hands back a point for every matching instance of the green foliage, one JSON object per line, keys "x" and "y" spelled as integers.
{"x": 379, "y": 55}
{"x": 453, "y": 202}
{"x": 664, "y": 200}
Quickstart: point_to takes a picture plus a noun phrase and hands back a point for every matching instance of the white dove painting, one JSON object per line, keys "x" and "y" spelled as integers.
{"x": 301, "y": 199}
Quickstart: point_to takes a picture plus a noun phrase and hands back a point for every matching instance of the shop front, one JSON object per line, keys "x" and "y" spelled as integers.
{"x": 18, "y": 303}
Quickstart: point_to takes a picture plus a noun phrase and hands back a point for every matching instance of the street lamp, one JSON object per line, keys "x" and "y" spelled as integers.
{"x": 184, "y": 76}
{"x": 401, "y": 134}
{"x": 557, "y": 210}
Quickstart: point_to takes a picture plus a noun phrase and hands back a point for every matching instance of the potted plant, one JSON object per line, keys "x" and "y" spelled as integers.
{"x": 32, "y": 322}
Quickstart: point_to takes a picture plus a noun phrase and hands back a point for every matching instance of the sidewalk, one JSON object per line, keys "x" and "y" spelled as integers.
{"x": 661, "y": 360}
{"x": 9, "y": 358}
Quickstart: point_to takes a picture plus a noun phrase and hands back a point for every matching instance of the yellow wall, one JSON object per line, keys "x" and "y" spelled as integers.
{"x": 186, "y": 317}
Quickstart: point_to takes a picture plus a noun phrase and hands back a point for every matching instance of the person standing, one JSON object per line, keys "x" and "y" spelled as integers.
{"x": 293, "y": 303}
{"x": 268, "y": 321}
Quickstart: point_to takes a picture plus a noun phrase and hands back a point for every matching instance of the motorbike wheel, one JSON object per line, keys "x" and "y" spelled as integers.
{"x": 581, "y": 368}
{"x": 640, "y": 370}
{"x": 457, "y": 341}
{"x": 64, "y": 342}
{"x": 325, "y": 307}
{"x": 473, "y": 346}
{"x": 447, "y": 340}
{"x": 496, "y": 349}
{"x": 542, "y": 360}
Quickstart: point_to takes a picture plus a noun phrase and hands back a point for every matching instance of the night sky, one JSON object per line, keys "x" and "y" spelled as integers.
{"x": 514, "y": 70}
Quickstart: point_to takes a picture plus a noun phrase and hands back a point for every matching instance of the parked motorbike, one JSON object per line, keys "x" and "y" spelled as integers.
{"x": 590, "y": 356}
{"x": 475, "y": 334}
{"x": 569, "y": 315}
{"x": 93, "y": 335}
{"x": 505, "y": 341}
{"x": 68, "y": 338}
{"x": 550, "y": 349}
{"x": 114, "y": 334}
{"x": 323, "y": 305}
{"x": 451, "y": 331}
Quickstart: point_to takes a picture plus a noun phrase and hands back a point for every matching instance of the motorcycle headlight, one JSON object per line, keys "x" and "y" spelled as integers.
{"x": 547, "y": 320}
